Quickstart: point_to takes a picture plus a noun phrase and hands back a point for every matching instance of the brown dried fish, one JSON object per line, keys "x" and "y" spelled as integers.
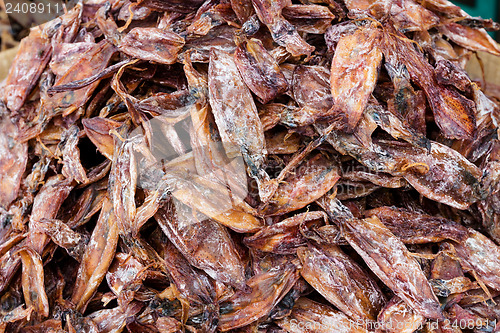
{"x": 391, "y": 261}
{"x": 46, "y": 206}
{"x": 417, "y": 228}
{"x": 152, "y": 44}
{"x": 434, "y": 168}
{"x": 216, "y": 202}
{"x": 97, "y": 258}
{"x": 35, "y": 53}
{"x": 236, "y": 115}
{"x": 341, "y": 281}
{"x": 123, "y": 272}
{"x": 220, "y": 161}
{"x": 454, "y": 114}
{"x": 354, "y": 72}
{"x": 282, "y": 31}
{"x": 115, "y": 319}
{"x": 62, "y": 235}
{"x": 285, "y": 236}
{"x": 397, "y": 316}
{"x": 13, "y": 160}
{"x": 311, "y": 91}
{"x": 97, "y": 130}
{"x": 193, "y": 285}
{"x": 267, "y": 289}
{"x": 314, "y": 19}
{"x": 72, "y": 166}
{"x": 205, "y": 243}
{"x": 311, "y": 180}
{"x": 33, "y": 282}
{"x": 473, "y": 39}
{"x": 91, "y": 62}
{"x": 259, "y": 70}
{"x": 308, "y": 315}
{"x": 481, "y": 255}
{"x": 123, "y": 182}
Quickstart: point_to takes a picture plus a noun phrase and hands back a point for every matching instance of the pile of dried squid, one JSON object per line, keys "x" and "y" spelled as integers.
{"x": 250, "y": 166}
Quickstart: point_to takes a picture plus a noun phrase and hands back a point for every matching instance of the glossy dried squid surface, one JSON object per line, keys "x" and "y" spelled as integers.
{"x": 250, "y": 166}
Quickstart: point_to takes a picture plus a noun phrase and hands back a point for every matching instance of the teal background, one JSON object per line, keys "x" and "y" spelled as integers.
{"x": 487, "y": 9}
{"x": 484, "y": 8}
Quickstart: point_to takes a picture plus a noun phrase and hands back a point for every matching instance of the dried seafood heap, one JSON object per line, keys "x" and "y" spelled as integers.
{"x": 250, "y": 166}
